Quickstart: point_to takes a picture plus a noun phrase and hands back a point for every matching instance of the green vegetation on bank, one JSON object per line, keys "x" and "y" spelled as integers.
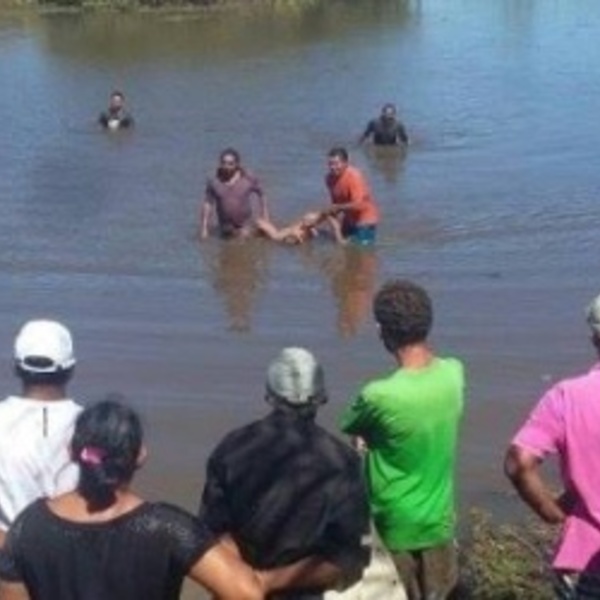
{"x": 273, "y": 5}
{"x": 506, "y": 562}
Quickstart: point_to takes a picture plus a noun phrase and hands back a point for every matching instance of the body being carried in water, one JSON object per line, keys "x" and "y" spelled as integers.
{"x": 302, "y": 230}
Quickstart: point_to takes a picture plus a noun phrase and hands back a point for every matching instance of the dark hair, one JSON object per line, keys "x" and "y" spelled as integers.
{"x": 404, "y": 312}
{"x": 388, "y": 106}
{"x": 56, "y": 378}
{"x": 338, "y": 152}
{"x": 117, "y": 93}
{"x": 231, "y": 152}
{"x": 106, "y": 445}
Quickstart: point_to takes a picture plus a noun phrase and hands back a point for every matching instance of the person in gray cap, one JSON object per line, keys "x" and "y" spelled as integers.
{"x": 283, "y": 489}
{"x": 566, "y": 423}
{"x": 36, "y": 425}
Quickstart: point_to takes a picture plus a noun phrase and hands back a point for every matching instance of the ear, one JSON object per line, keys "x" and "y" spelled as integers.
{"x": 142, "y": 457}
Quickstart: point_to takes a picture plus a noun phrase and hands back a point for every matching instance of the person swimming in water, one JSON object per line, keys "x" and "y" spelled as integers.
{"x": 115, "y": 116}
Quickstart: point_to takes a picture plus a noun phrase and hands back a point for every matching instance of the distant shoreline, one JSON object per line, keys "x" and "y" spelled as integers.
{"x": 155, "y": 6}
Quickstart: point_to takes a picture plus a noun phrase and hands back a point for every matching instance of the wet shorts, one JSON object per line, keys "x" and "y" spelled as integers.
{"x": 362, "y": 235}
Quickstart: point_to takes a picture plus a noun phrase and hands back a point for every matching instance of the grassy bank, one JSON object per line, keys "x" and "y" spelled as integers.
{"x": 272, "y": 5}
{"x": 506, "y": 562}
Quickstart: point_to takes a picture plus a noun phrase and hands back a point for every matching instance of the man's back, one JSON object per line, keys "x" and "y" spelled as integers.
{"x": 409, "y": 421}
{"x": 34, "y": 457}
{"x": 285, "y": 489}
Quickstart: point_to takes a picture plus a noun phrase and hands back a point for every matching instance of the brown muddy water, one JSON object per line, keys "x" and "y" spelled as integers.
{"x": 494, "y": 209}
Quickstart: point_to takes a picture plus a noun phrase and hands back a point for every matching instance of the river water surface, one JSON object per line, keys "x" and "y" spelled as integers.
{"x": 494, "y": 209}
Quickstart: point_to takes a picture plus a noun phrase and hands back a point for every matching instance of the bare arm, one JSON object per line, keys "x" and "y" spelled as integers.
{"x": 336, "y": 228}
{"x": 13, "y": 591}
{"x": 402, "y": 135}
{"x": 263, "y": 206}
{"x": 222, "y": 572}
{"x": 366, "y": 133}
{"x": 309, "y": 573}
{"x": 205, "y": 216}
{"x": 522, "y": 468}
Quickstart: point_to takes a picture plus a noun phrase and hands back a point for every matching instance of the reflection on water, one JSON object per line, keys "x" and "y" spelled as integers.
{"x": 351, "y": 274}
{"x": 238, "y": 271}
{"x": 123, "y": 39}
{"x": 389, "y": 161}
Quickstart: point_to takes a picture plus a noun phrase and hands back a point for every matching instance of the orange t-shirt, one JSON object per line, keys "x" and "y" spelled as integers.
{"x": 351, "y": 186}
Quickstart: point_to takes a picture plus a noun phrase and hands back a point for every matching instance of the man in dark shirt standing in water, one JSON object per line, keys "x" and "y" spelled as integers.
{"x": 115, "y": 116}
{"x": 386, "y": 130}
{"x": 229, "y": 194}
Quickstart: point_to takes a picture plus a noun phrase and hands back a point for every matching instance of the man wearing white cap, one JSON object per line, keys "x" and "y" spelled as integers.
{"x": 36, "y": 426}
{"x": 285, "y": 489}
{"x": 566, "y": 423}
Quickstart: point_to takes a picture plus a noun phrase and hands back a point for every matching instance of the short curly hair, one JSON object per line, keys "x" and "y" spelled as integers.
{"x": 404, "y": 312}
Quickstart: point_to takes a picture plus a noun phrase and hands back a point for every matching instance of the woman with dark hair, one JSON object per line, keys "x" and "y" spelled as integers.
{"x": 103, "y": 542}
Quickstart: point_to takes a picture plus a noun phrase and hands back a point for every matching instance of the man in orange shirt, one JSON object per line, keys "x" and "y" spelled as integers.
{"x": 352, "y": 201}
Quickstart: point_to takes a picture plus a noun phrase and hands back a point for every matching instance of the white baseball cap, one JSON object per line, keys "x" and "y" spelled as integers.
{"x": 593, "y": 314}
{"x": 44, "y": 347}
{"x": 296, "y": 377}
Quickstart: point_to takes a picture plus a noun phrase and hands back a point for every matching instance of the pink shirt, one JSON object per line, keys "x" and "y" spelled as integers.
{"x": 566, "y": 422}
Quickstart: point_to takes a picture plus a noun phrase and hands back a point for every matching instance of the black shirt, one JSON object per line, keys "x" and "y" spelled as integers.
{"x": 285, "y": 488}
{"x": 145, "y": 553}
{"x": 112, "y": 119}
{"x": 386, "y": 132}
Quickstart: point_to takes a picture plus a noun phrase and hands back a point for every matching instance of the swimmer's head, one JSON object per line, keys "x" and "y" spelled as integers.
{"x": 388, "y": 111}
{"x": 229, "y": 161}
{"x": 117, "y": 101}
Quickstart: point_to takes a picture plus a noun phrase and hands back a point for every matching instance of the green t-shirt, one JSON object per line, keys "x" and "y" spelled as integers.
{"x": 409, "y": 420}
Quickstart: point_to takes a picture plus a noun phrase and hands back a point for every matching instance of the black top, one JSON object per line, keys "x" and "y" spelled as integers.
{"x": 143, "y": 554}
{"x": 386, "y": 132}
{"x": 285, "y": 488}
{"x": 119, "y": 119}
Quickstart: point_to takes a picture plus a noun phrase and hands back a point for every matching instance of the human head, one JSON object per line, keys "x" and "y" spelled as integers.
{"x": 44, "y": 353}
{"x": 311, "y": 218}
{"x": 116, "y": 101}
{"x": 593, "y": 320}
{"x": 404, "y": 313}
{"x": 296, "y": 380}
{"x": 229, "y": 161}
{"x": 107, "y": 445}
{"x": 388, "y": 111}
{"x": 337, "y": 160}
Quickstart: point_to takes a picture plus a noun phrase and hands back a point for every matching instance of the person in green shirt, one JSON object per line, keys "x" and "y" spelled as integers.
{"x": 408, "y": 421}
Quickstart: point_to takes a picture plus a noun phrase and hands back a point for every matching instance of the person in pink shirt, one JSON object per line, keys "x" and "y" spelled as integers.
{"x": 566, "y": 423}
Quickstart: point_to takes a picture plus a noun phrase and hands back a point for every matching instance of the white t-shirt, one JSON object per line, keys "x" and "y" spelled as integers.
{"x": 34, "y": 452}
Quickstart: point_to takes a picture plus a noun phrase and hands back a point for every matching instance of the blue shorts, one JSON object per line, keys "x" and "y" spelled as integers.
{"x": 361, "y": 235}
